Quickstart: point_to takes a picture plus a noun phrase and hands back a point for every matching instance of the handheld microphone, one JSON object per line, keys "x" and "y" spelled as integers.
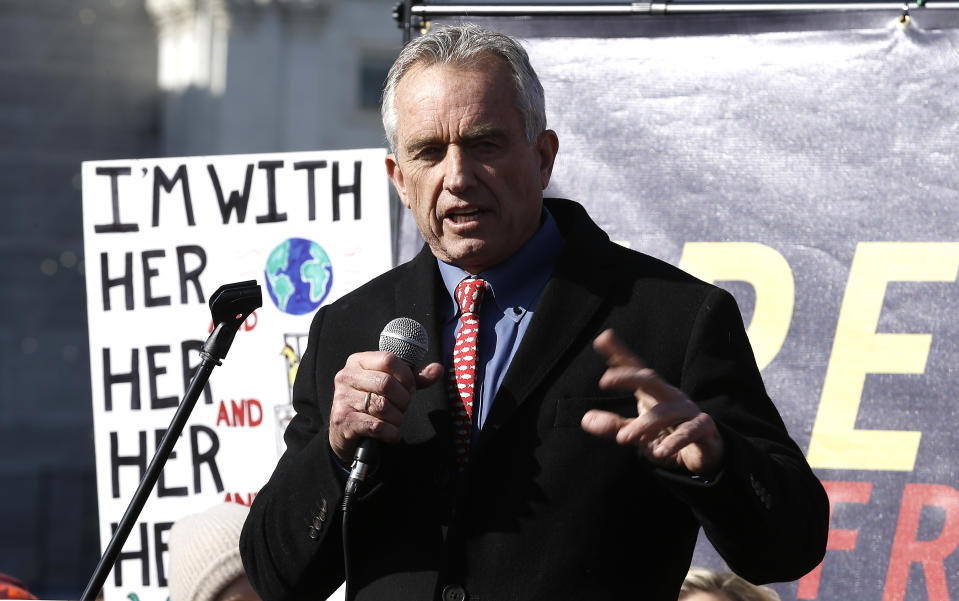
{"x": 407, "y": 339}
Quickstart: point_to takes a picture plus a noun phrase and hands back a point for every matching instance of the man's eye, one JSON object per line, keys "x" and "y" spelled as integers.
{"x": 429, "y": 152}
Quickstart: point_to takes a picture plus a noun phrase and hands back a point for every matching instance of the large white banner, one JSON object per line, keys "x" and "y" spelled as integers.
{"x": 160, "y": 236}
{"x": 815, "y": 175}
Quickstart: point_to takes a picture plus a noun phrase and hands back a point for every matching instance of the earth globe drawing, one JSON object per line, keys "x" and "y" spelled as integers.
{"x": 299, "y": 275}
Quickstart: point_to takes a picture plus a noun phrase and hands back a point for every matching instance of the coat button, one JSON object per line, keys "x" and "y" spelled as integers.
{"x": 454, "y": 592}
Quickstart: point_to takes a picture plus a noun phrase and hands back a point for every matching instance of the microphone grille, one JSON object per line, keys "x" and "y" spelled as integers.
{"x": 405, "y": 338}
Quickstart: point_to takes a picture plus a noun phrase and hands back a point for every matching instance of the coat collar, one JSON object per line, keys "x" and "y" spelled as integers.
{"x": 419, "y": 296}
{"x": 573, "y": 295}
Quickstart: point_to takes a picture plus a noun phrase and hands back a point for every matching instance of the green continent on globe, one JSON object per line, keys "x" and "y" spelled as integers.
{"x": 316, "y": 272}
{"x": 280, "y": 283}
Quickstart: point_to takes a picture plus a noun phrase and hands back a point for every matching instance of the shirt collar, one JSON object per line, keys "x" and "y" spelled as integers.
{"x": 516, "y": 282}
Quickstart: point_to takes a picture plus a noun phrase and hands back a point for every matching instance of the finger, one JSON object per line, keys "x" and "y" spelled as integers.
{"x": 603, "y": 423}
{"x": 361, "y": 425}
{"x": 696, "y": 445}
{"x": 657, "y": 422}
{"x": 700, "y": 429}
{"x": 353, "y": 382}
{"x": 616, "y": 353}
{"x": 429, "y": 374}
{"x": 381, "y": 408}
{"x": 389, "y": 363}
{"x": 348, "y": 427}
{"x": 349, "y": 424}
{"x": 679, "y": 438}
{"x": 387, "y": 387}
{"x": 641, "y": 379}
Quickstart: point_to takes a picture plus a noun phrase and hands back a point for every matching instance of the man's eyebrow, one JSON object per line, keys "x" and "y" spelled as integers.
{"x": 470, "y": 135}
{"x": 417, "y": 144}
{"x": 483, "y": 131}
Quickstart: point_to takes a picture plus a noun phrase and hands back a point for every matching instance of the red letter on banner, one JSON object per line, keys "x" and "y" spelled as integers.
{"x": 906, "y": 549}
{"x": 839, "y": 539}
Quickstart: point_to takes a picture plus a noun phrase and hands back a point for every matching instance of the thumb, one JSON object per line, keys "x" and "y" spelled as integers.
{"x": 429, "y": 375}
{"x": 603, "y": 423}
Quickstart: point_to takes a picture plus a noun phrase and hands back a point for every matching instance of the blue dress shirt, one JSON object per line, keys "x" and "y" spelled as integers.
{"x": 515, "y": 287}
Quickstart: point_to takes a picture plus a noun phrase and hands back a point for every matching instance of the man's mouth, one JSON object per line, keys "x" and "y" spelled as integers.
{"x": 465, "y": 216}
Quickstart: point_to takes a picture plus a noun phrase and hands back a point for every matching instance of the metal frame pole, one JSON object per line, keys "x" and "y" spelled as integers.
{"x": 661, "y": 8}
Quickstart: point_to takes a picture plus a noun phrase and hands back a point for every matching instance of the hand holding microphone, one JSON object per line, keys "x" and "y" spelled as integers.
{"x": 374, "y": 388}
{"x": 370, "y": 397}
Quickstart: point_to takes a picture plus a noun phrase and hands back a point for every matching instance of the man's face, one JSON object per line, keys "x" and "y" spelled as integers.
{"x": 463, "y": 165}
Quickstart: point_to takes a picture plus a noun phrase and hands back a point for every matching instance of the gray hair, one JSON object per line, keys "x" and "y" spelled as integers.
{"x": 464, "y": 45}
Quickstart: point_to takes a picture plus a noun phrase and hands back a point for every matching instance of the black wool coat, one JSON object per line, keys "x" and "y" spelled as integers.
{"x": 544, "y": 510}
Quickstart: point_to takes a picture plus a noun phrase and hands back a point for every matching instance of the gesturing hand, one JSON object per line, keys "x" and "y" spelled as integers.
{"x": 389, "y": 382}
{"x": 670, "y": 429}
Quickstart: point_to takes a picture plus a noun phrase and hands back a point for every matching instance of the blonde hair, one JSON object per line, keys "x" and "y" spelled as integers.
{"x": 725, "y": 583}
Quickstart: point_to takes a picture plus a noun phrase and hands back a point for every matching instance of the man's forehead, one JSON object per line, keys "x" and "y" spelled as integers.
{"x": 428, "y": 102}
{"x": 487, "y": 67}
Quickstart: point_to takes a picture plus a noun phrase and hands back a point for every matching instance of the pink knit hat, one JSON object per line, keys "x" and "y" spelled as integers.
{"x": 205, "y": 552}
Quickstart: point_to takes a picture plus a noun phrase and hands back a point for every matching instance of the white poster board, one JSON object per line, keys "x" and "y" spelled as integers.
{"x": 161, "y": 236}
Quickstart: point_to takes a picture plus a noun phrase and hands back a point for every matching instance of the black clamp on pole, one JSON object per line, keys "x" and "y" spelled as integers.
{"x": 230, "y": 305}
{"x": 405, "y": 20}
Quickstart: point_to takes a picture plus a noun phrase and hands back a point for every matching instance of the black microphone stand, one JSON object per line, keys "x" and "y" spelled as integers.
{"x": 230, "y": 305}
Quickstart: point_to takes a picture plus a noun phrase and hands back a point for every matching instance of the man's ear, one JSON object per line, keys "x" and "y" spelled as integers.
{"x": 395, "y": 172}
{"x": 547, "y": 145}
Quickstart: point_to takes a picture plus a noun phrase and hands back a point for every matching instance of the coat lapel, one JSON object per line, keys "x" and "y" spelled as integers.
{"x": 418, "y": 296}
{"x": 573, "y": 295}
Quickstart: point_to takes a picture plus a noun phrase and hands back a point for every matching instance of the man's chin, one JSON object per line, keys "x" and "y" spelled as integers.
{"x": 474, "y": 257}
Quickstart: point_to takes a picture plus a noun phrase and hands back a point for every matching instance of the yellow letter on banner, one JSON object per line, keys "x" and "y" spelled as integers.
{"x": 858, "y": 350}
{"x": 769, "y": 274}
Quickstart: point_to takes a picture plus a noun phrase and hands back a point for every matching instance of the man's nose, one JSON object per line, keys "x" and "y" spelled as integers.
{"x": 459, "y": 175}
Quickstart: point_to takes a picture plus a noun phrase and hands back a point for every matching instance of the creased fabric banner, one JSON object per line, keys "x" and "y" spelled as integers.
{"x": 814, "y": 175}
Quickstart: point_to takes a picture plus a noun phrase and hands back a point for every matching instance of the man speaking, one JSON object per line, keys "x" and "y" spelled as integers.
{"x": 583, "y": 409}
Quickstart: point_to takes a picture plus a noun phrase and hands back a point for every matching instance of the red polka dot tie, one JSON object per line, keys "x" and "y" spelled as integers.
{"x": 462, "y": 373}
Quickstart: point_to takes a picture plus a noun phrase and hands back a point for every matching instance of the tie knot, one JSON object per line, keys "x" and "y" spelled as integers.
{"x": 469, "y": 294}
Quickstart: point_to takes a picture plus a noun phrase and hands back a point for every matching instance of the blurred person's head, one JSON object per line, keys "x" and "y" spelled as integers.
{"x": 11, "y": 588}
{"x": 205, "y": 560}
{"x": 702, "y": 584}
